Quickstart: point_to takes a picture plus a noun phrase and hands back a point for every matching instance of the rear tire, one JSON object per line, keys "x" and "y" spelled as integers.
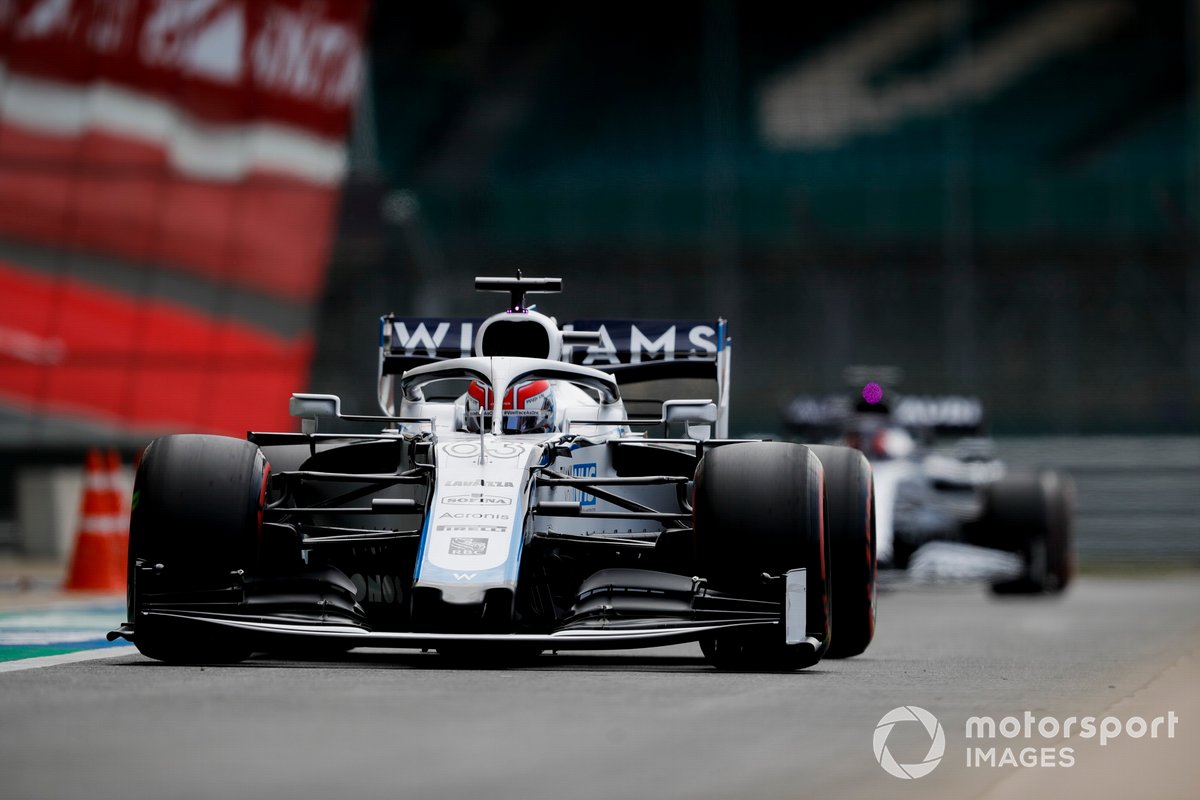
{"x": 850, "y": 533}
{"x": 1038, "y": 512}
{"x": 196, "y": 520}
{"x": 759, "y": 508}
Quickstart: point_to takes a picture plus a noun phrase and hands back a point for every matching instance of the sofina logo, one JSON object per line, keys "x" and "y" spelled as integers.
{"x": 937, "y": 742}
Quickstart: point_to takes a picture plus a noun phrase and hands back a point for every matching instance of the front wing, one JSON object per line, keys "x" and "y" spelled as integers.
{"x": 592, "y": 633}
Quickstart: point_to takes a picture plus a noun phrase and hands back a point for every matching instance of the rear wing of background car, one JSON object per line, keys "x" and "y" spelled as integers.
{"x": 938, "y": 415}
{"x": 945, "y": 415}
{"x": 630, "y": 350}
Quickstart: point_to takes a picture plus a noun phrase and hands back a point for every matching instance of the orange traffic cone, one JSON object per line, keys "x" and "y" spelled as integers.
{"x": 121, "y": 491}
{"x": 98, "y": 563}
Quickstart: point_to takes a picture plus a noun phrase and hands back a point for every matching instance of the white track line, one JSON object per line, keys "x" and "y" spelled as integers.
{"x": 66, "y": 658}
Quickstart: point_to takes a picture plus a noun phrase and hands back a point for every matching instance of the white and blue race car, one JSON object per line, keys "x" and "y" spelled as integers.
{"x": 510, "y": 505}
{"x": 947, "y": 513}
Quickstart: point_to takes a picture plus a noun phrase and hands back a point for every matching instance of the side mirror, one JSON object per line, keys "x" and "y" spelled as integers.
{"x": 691, "y": 413}
{"x": 313, "y": 406}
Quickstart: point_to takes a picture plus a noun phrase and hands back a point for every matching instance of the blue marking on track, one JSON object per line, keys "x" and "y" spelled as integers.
{"x": 65, "y": 628}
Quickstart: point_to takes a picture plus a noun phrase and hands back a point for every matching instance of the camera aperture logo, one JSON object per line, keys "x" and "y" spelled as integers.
{"x": 937, "y": 742}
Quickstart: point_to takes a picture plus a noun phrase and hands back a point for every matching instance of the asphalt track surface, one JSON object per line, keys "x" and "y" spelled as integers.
{"x": 634, "y": 724}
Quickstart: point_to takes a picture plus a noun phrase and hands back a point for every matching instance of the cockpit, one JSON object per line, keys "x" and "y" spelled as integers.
{"x": 509, "y": 395}
{"x": 527, "y": 407}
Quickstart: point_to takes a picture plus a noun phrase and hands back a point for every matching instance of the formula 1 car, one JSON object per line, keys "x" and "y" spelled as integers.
{"x": 509, "y": 506}
{"x": 948, "y": 513}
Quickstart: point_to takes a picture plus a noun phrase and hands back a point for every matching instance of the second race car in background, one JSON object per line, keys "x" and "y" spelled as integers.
{"x": 946, "y": 506}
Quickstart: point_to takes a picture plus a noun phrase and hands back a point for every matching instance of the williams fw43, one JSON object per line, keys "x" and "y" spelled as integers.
{"x": 511, "y": 504}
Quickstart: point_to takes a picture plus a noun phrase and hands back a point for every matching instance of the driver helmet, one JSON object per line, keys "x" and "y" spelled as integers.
{"x": 528, "y": 407}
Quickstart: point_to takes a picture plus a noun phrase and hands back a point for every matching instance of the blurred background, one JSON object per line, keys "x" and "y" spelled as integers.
{"x": 206, "y": 205}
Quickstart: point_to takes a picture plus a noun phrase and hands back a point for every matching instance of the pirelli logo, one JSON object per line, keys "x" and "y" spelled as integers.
{"x": 474, "y": 528}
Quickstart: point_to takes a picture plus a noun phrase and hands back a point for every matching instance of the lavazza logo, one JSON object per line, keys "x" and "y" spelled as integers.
{"x": 1008, "y": 741}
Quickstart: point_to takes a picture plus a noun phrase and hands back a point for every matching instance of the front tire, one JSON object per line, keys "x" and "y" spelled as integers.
{"x": 759, "y": 509}
{"x": 850, "y": 532}
{"x": 1038, "y": 512}
{"x": 196, "y": 521}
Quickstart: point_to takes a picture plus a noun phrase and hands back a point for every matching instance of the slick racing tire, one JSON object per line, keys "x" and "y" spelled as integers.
{"x": 758, "y": 512}
{"x": 196, "y": 520}
{"x": 1037, "y": 513}
{"x": 850, "y": 535}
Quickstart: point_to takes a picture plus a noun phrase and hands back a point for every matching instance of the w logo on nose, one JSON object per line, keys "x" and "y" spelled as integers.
{"x": 464, "y": 576}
